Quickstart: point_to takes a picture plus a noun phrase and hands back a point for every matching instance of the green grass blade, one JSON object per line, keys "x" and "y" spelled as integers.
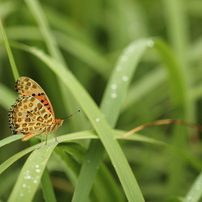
{"x": 111, "y": 105}
{"x": 47, "y": 187}
{"x": 14, "y": 158}
{"x": 178, "y": 84}
{"x": 10, "y": 55}
{"x": 117, "y": 86}
{"x": 31, "y": 173}
{"x": 10, "y": 139}
{"x": 39, "y": 15}
{"x": 175, "y": 12}
{"x": 105, "y": 182}
{"x": 195, "y": 191}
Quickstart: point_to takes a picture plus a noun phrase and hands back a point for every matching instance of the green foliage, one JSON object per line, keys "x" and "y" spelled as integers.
{"x": 116, "y": 61}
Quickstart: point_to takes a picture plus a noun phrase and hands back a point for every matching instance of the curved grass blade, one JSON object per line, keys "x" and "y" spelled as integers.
{"x": 47, "y": 187}
{"x": 195, "y": 191}
{"x": 178, "y": 84}
{"x": 31, "y": 173}
{"x": 10, "y": 55}
{"x": 14, "y": 158}
{"x": 10, "y": 139}
{"x": 110, "y": 106}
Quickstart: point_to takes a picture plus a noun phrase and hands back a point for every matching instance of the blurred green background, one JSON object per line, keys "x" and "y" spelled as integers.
{"x": 91, "y": 35}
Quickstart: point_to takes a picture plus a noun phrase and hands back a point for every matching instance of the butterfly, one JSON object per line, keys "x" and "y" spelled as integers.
{"x": 32, "y": 113}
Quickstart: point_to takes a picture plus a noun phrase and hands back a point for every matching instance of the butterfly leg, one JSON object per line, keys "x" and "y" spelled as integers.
{"x": 55, "y": 134}
{"x": 41, "y": 142}
{"x": 56, "y": 139}
{"x": 46, "y": 138}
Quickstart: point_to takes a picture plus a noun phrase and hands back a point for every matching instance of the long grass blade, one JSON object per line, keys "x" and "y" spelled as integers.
{"x": 31, "y": 173}
{"x": 10, "y": 55}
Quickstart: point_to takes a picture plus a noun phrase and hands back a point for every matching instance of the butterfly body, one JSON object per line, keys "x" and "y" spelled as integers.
{"x": 32, "y": 113}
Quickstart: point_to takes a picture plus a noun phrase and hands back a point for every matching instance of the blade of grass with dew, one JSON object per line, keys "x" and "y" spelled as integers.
{"x": 110, "y": 106}
{"x": 10, "y": 55}
{"x": 113, "y": 149}
{"x": 31, "y": 173}
{"x": 195, "y": 192}
{"x": 69, "y": 137}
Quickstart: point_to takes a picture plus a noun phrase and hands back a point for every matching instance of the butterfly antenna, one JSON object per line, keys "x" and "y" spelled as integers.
{"x": 71, "y": 114}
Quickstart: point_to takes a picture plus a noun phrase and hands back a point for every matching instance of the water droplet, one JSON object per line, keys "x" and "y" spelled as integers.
{"x": 150, "y": 43}
{"x": 24, "y": 185}
{"x": 131, "y": 48}
{"x": 21, "y": 194}
{"x": 27, "y": 177}
{"x": 27, "y": 172}
{"x": 124, "y": 78}
{"x": 97, "y": 119}
{"x": 114, "y": 86}
{"x": 36, "y": 166}
{"x": 113, "y": 95}
{"x": 35, "y": 181}
{"x": 189, "y": 198}
{"x": 124, "y": 58}
{"x": 118, "y": 68}
{"x": 38, "y": 170}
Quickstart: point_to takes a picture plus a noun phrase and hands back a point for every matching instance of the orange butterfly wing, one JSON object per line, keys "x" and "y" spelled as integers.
{"x": 26, "y": 86}
{"x": 32, "y": 113}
